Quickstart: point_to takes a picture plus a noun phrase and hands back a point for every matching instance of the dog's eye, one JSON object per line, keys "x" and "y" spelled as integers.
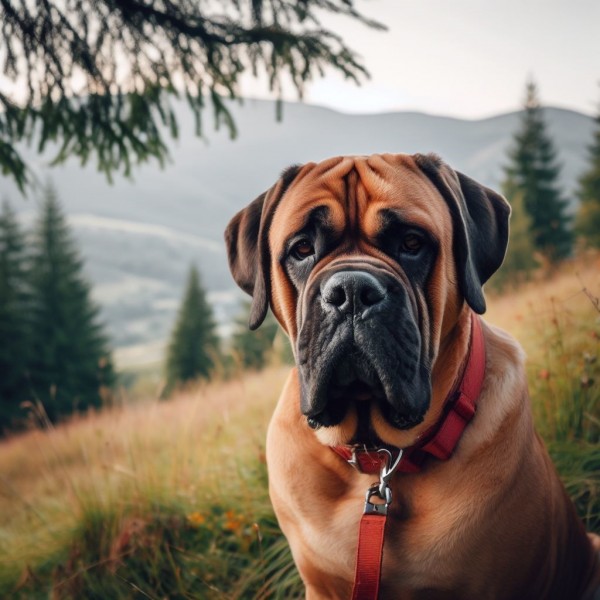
{"x": 302, "y": 249}
{"x": 411, "y": 243}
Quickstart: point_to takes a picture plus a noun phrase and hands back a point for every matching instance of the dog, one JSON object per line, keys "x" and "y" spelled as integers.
{"x": 374, "y": 267}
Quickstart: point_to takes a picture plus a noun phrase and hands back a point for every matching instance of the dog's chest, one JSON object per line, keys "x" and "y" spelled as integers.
{"x": 413, "y": 550}
{"x": 411, "y": 545}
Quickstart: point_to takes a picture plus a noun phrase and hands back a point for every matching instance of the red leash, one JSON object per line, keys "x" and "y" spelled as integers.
{"x": 368, "y": 557}
{"x": 440, "y": 443}
{"x": 367, "y": 572}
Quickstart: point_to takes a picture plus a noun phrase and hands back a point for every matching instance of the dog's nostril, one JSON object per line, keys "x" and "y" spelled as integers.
{"x": 336, "y": 296}
{"x": 371, "y": 295}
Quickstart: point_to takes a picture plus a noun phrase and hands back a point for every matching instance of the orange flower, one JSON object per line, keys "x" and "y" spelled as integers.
{"x": 196, "y": 519}
{"x": 233, "y": 522}
{"x": 544, "y": 374}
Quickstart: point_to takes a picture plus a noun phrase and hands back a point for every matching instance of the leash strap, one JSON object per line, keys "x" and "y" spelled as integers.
{"x": 367, "y": 573}
{"x": 371, "y": 531}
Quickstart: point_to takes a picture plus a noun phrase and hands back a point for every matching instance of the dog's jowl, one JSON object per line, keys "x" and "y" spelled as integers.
{"x": 374, "y": 266}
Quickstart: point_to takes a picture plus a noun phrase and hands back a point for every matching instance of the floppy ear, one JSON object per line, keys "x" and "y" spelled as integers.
{"x": 247, "y": 242}
{"x": 480, "y": 220}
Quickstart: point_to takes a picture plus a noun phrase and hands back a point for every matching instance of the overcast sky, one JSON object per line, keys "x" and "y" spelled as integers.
{"x": 468, "y": 58}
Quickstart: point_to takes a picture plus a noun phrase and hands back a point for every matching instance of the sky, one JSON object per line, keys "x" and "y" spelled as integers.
{"x": 466, "y": 58}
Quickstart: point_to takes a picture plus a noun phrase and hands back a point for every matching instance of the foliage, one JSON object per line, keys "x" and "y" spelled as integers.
{"x": 194, "y": 346}
{"x": 136, "y": 502}
{"x": 14, "y": 327}
{"x": 578, "y": 463}
{"x": 533, "y": 172}
{"x": 70, "y": 366}
{"x": 252, "y": 349}
{"x": 95, "y": 77}
{"x": 587, "y": 223}
{"x": 164, "y": 551}
{"x": 565, "y": 379}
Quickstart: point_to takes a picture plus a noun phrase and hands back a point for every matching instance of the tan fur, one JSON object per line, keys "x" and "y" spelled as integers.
{"x": 492, "y": 522}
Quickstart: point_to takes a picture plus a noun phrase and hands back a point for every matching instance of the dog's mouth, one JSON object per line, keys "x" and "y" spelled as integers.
{"x": 354, "y": 379}
{"x": 355, "y": 383}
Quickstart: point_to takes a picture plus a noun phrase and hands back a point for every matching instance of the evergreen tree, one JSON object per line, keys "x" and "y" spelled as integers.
{"x": 252, "y": 348}
{"x": 96, "y": 76}
{"x": 534, "y": 173}
{"x": 194, "y": 346}
{"x": 587, "y": 222}
{"x": 14, "y": 341}
{"x": 70, "y": 363}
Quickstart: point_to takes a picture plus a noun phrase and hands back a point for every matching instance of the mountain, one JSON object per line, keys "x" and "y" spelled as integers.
{"x": 139, "y": 236}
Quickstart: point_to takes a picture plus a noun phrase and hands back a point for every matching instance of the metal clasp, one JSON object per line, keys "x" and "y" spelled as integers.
{"x": 379, "y": 508}
{"x": 381, "y": 489}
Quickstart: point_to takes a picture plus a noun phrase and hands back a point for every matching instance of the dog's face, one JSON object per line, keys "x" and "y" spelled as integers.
{"x": 366, "y": 263}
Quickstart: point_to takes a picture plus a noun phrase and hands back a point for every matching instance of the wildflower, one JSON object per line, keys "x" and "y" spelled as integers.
{"x": 544, "y": 374}
{"x": 196, "y": 519}
{"x": 233, "y": 522}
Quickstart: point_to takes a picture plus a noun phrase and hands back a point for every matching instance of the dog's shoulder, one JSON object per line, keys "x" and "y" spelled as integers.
{"x": 504, "y": 395}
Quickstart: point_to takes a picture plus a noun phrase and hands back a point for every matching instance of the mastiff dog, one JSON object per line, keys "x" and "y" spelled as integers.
{"x": 403, "y": 461}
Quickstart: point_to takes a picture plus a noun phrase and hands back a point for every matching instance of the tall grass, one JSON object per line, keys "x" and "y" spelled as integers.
{"x": 558, "y": 322}
{"x": 169, "y": 499}
{"x": 566, "y": 367}
{"x": 156, "y": 500}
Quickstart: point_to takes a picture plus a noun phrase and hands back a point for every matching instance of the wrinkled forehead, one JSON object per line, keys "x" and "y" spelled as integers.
{"x": 355, "y": 190}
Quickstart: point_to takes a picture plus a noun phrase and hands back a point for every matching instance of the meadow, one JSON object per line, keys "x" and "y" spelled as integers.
{"x": 152, "y": 499}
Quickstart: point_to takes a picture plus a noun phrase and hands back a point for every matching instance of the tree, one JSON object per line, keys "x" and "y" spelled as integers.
{"x": 70, "y": 364}
{"x": 14, "y": 300}
{"x": 533, "y": 172}
{"x": 252, "y": 348}
{"x": 95, "y": 76}
{"x": 587, "y": 223}
{"x": 194, "y": 347}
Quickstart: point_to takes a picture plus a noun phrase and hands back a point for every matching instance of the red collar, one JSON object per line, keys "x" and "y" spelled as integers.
{"x": 440, "y": 440}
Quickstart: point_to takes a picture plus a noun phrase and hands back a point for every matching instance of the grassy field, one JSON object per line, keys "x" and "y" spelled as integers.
{"x": 169, "y": 500}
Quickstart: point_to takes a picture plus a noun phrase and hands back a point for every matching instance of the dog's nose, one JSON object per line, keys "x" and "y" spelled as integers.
{"x": 352, "y": 292}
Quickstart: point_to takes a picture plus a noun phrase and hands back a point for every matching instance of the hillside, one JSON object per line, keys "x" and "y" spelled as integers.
{"x": 138, "y": 237}
{"x": 169, "y": 499}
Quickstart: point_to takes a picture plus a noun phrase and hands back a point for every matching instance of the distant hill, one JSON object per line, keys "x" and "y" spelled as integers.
{"x": 139, "y": 237}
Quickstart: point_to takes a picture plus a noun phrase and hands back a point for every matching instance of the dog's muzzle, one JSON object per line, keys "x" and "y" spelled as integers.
{"x": 360, "y": 344}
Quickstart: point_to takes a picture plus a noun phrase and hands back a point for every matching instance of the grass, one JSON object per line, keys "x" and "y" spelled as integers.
{"x": 155, "y": 500}
{"x": 169, "y": 500}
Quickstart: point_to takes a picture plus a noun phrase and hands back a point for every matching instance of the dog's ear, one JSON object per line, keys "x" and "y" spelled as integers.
{"x": 247, "y": 243}
{"x": 480, "y": 220}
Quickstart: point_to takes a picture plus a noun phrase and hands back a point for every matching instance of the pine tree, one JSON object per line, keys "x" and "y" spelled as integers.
{"x": 96, "y": 76}
{"x": 252, "y": 348}
{"x": 70, "y": 363}
{"x": 194, "y": 346}
{"x": 533, "y": 172}
{"x": 14, "y": 329}
{"x": 587, "y": 223}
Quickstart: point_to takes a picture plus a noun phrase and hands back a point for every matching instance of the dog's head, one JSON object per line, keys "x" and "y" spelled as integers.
{"x": 367, "y": 263}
